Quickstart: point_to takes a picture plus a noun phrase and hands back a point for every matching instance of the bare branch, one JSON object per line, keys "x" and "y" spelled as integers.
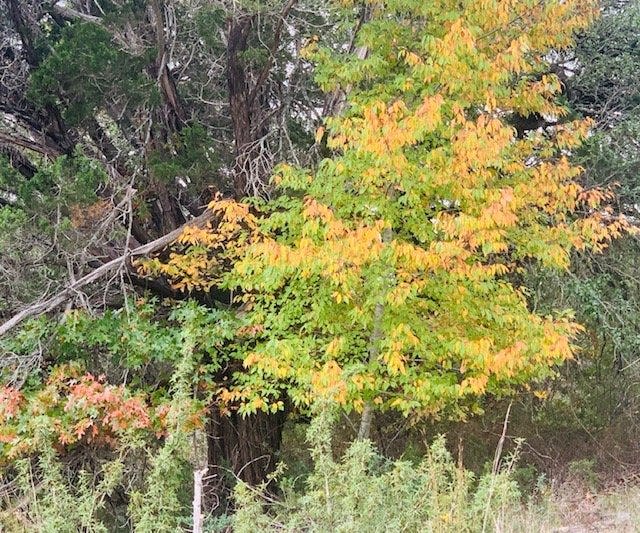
{"x": 24, "y": 142}
{"x": 71, "y": 290}
{"x": 71, "y": 14}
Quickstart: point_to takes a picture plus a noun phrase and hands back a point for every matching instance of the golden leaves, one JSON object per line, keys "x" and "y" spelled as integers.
{"x": 400, "y": 339}
{"x": 328, "y": 383}
{"x": 200, "y": 255}
{"x": 425, "y": 155}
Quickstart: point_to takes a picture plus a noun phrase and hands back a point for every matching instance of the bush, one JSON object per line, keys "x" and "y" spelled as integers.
{"x": 364, "y": 492}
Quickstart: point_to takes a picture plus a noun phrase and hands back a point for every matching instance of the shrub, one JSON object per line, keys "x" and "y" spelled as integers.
{"x": 364, "y": 492}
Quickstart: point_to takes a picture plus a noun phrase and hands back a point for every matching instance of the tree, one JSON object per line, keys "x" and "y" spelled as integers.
{"x": 386, "y": 276}
{"x": 119, "y": 121}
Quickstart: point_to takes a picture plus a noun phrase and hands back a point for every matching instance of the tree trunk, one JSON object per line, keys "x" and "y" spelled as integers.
{"x": 239, "y": 103}
{"x": 244, "y": 448}
{"x": 198, "y": 518}
{"x": 364, "y": 431}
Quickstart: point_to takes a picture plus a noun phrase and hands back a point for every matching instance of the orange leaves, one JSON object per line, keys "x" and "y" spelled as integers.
{"x": 507, "y": 361}
{"x": 314, "y": 209}
{"x": 328, "y": 383}
{"x": 595, "y": 197}
{"x": 117, "y": 412}
{"x": 599, "y": 229}
{"x": 11, "y": 400}
{"x": 85, "y": 216}
{"x": 72, "y": 406}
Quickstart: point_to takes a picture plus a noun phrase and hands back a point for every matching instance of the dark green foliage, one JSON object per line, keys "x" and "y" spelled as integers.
{"x": 209, "y": 22}
{"x": 603, "y": 290}
{"x": 190, "y": 156}
{"x": 87, "y": 70}
{"x": 607, "y": 85}
{"x": 69, "y": 180}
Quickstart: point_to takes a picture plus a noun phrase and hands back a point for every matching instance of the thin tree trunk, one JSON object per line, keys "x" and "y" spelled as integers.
{"x": 239, "y": 104}
{"x": 197, "y": 500}
{"x": 364, "y": 431}
{"x": 374, "y": 352}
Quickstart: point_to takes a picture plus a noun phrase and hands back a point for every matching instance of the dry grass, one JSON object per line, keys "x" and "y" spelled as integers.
{"x": 573, "y": 508}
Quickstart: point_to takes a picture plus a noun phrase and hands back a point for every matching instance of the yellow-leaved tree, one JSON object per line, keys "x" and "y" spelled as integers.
{"x": 384, "y": 278}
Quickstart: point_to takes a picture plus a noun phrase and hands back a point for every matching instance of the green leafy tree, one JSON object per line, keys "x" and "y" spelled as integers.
{"x": 382, "y": 277}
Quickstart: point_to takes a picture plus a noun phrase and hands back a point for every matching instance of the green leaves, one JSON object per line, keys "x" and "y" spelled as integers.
{"x": 386, "y": 283}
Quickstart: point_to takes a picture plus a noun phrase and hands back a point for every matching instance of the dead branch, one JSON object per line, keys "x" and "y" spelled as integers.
{"x": 71, "y": 290}
{"x": 71, "y": 14}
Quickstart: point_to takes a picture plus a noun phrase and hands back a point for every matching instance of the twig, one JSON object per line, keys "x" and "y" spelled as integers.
{"x": 498, "y": 454}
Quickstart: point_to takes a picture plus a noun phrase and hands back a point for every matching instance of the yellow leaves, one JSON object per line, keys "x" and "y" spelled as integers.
{"x": 439, "y": 255}
{"x": 278, "y": 367}
{"x": 257, "y": 404}
{"x": 541, "y": 394}
{"x": 600, "y": 228}
{"x": 480, "y": 144}
{"x": 399, "y": 294}
{"x": 334, "y": 347}
{"x": 396, "y": 362}
{"x": 514, "y": 59}
{"x": 252, "y": 359}
{"x": 400, "y": 339}
{"x": 556, "y": 344}
{"x": 363, "y": 381}
{"x": 195, "y": 235}
{"x": 429, "y": 112}
{"x": 458, "y": 38}
{"x": 384, "y": 130}
{"x": 572, "y": 134}
{"x": 329, "y": 383}
{"x": 475, "y": 385}
{"x": 198, "y": 256}
{"x": 593, "y": 198}
{"x": 249, "y": 401}
{"x": 432, "y": 155}
{"x": 411, "y": 58}
{"x": 340, "y": 297}
{"x": 399, "y": 403}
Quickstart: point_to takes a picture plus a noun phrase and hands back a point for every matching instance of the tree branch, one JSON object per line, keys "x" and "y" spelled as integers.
{"x": 71, "y": 14}
{"x": 71, "y": 290}
{"x": 277, "y": 34}
{"x": 23, "y": 142}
